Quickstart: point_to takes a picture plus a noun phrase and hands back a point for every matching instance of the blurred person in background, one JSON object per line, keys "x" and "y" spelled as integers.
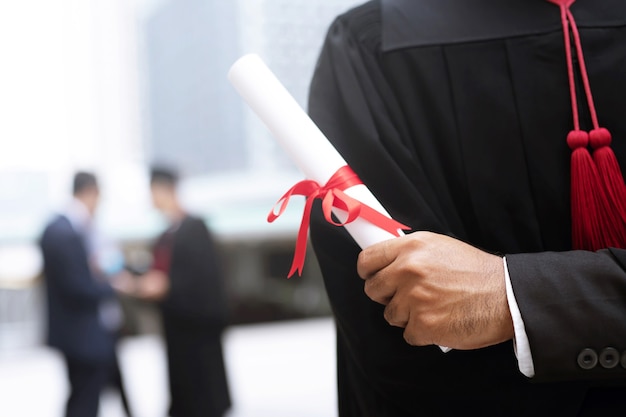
{"x": 186, "y": 281}
{"x": 84, "y": 316}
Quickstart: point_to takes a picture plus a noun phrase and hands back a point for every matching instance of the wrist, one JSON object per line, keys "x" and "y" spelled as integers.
{"x": 502, "y": 313}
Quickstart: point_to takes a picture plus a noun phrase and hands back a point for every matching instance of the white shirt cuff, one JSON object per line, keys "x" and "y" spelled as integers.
{"x": 520, "y": 342}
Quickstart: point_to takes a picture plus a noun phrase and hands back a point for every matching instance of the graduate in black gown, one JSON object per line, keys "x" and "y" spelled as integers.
{"x": 457, "y": 115}
{"x": 186, "y": 280}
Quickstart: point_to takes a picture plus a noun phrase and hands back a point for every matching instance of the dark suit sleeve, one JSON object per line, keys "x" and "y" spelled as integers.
{"x": 572, "y": 301}
{"x": 197, "y": 289}
{"x": 66, "y": 263}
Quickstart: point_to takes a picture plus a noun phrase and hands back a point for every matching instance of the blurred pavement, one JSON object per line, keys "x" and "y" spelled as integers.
{"x": 282, "y": 369}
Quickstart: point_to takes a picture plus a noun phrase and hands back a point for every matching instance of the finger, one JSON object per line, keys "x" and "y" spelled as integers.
{"x": 374, "y": 258}
{"x": 380, "y": 288}
{"x": 422, "y": 329}
{"x": 396, "y": 314}
{"x": 415, "y": 337}
{"x": 410, "y": 337}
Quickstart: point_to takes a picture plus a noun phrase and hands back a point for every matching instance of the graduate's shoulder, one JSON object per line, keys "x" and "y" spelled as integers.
{"x": 361, "y": 23}
{"x": 193, "y": 221}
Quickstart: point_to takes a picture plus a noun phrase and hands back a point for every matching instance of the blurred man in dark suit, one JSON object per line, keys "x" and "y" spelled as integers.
{"x": 83, "y": 314}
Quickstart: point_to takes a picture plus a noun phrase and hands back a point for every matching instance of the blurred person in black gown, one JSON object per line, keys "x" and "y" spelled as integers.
{"x": 186, "y": 281}
{"x": 84, "y": 317}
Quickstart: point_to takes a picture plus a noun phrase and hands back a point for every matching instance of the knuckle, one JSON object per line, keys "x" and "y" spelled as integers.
{"x": 426, "y": 235}
{"x": 369, "y": 287}
{"x": 362, "y": 264}
{"x": 415, "y": 242}
{"x": 417, "y": 295}
{"x": 412, "y": 264}
{"x": 410, "y": 338}
{"x": 429, "y": 321}
{"x": 373, "y": 289}
{"x": 391, "y": 315}
{"x": 388, "y": 314}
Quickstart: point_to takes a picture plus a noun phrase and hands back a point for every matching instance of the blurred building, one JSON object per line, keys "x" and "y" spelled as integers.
{"x": 112, "y": 85}
{"x": 195, "y": 117}
{"x": 288, "y": 35}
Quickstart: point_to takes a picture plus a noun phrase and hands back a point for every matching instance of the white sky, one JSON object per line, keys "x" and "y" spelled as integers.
{"x": 69, "y": 99}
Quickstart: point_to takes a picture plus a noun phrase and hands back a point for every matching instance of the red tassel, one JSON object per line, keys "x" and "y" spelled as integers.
{"x": 612, "y": 182}
{"x": 586, "y": 200}
{"x": 598, "y": 192}
{"x": 608, "y": 168}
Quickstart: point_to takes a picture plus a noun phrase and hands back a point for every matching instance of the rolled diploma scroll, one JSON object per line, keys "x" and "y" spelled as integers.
{"x": 303, "y": 141}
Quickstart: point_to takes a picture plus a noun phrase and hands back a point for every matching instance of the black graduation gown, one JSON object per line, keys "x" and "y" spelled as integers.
{"x": 455, "y": 114}
{"x": 194, "y": 316}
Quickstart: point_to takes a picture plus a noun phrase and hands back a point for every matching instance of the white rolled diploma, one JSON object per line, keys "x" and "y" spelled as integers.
{"x": 303, "y": 141}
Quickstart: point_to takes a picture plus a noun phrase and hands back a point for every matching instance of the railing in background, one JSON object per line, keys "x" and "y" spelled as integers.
{"x": 21, "y": 296}
{"x": 256, "y": 280}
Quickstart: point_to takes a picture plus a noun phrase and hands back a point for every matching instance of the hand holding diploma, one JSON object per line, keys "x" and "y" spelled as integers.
{"x": 440, "y": 290}
{"x": 328, "y": 176}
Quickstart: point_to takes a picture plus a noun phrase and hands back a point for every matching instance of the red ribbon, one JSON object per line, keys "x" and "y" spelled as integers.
{"x": 332, "y": 195}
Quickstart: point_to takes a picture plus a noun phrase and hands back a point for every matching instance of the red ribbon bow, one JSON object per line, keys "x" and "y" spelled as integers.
{"x": 332, "y": 195}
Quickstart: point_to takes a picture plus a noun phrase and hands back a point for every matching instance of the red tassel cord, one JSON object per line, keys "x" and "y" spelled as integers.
{"x": 600, "y": 140}
{"x": 598, "y": 192}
